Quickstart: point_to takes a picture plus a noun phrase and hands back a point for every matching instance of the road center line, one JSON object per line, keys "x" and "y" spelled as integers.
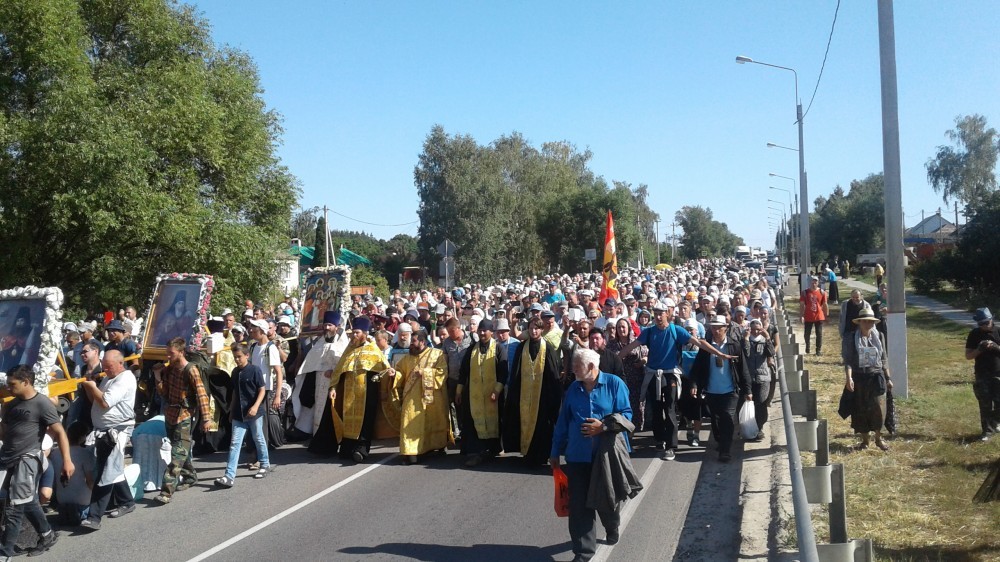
{"x": 604, "y": 550}
{"x": 274, "y": 519}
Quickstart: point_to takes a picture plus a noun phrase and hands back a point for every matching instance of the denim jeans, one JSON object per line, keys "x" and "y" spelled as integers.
{"x": 256, "y": 428}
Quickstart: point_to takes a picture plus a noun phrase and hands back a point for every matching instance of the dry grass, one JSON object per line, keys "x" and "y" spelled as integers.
{"x": 914, "y": 502}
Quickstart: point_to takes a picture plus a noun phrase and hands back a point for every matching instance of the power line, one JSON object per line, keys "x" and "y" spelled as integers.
{"x": 828, "y": 41}
{"x": 372, "y": 223}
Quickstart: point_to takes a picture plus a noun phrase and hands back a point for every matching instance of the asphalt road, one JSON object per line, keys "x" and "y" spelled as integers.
{"x": 319, "y": 509}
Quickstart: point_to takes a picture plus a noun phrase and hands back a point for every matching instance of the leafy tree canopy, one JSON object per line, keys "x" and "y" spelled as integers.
{"x": 131, "y": 145}
{"x": 512, "y": 208}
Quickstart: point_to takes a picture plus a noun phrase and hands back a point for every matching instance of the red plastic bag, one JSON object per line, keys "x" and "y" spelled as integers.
{"x": 562, "y": 492}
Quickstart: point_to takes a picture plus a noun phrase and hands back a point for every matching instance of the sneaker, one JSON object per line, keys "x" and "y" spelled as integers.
{"x": 45, "y": 542}
{"x": 163, "y": 498}
{"x": 668, "y": 455}
{"x": 358, "y": 456}
{"x": 91, "y": 524}
{"x": 121, "y": 511}
{"x": 694, "y": 442}
{"x": 225, "y": 482}
{"x": 262, "y": 473}
{"x": 186, "y": 483}
{"x": 690, "y": 435}
{"x": 985, "y": 437}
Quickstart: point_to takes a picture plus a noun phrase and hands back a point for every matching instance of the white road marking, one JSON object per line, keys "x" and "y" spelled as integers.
{"x": 604, "y": 550}
{"x": 291, "y": 510}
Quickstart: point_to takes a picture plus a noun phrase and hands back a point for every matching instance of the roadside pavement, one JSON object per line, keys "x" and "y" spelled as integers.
{"x": 948, "y": 312}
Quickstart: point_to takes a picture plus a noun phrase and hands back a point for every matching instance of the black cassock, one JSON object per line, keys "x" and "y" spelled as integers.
{"x": 549, "y": 400}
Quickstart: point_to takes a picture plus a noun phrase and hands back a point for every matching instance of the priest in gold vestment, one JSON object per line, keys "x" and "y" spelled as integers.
{"x": 362, "y": 366}
{"x": 479, "y": 397}
{"x": 421, "y": 391}
{"x": 533, "y": 398}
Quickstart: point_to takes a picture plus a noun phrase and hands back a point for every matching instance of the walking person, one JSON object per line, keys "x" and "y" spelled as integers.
{"x": 246, "y": 413}
{"x": 722, "y": 380}
{"x": 596, "y": 405}
{"x": 814, "y": 311}
{"x": 983, "y": 347}
{"x": 664, "y": 340}
{"x": 113, "y": 416}
{"x": 867, "y": 376}
{"x": 25, "y": 419}
{"x": 181, "y": 388}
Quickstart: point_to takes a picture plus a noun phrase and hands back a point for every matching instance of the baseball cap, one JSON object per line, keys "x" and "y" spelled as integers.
{"x": 262, "y": 324}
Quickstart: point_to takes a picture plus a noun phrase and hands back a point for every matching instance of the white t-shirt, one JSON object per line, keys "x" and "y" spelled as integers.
{"x": 266, "y": 365}
{"x": 119, "y": 393}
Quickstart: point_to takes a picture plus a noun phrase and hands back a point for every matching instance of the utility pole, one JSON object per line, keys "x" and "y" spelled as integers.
{"x": 673, "y": 240}
{"x": 658, "y": 240}
{"x": 893, "y": 200}
{"x": 326, "y": 243}
{"x": 638, "y": 228}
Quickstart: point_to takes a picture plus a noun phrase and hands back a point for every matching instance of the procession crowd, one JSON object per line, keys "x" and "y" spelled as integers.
{"x": 543, "y": 368}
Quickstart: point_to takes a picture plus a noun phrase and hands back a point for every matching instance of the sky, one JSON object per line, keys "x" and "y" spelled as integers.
{"x": 651, "y": 88}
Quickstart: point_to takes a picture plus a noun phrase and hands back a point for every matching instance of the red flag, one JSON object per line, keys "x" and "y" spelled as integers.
{"x": 609, "y": 268}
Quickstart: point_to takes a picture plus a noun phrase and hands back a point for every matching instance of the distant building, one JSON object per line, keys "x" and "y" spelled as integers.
{"x": 930, "y": 235}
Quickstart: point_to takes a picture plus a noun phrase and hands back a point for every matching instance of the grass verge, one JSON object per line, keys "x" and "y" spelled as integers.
{"x": 914, "y": 502}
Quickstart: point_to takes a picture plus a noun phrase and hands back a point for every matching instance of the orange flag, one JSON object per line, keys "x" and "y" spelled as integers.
{"x": 609, "y": 269}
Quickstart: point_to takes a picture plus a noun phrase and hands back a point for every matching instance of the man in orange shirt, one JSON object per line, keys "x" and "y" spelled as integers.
{"x": 814, "y": 311}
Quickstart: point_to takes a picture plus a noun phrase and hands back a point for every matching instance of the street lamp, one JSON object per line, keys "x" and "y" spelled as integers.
{"x": 804, "y": 254}
{"x": 772, "y": 145}
{"x": 791, "y": 212}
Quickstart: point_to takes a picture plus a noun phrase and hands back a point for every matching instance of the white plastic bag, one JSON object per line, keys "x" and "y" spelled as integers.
{"x": 748, "y": 424}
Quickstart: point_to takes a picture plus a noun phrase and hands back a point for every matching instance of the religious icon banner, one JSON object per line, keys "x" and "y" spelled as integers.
{"x": 325, "y": 289}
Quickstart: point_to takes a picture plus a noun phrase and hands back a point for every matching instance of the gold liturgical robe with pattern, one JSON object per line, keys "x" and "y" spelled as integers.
{"x": 423, "y": 401}
{"x": 353, "y": 367}
{"x": 482, "y": 383}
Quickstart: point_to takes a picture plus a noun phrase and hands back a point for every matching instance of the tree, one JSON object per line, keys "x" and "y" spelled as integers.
{"x": 847, "y": 224}
{"x": 704, "y": 235}
{"x": 513, "y": 209}
{"x": 130, "y": 145}
{"x": 304, "y": 225}
{"x": 966, "y": 172}
{"x": 363, "y": 275}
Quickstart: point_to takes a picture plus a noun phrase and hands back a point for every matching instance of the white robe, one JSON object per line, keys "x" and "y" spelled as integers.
{"x": 322, "y": 357}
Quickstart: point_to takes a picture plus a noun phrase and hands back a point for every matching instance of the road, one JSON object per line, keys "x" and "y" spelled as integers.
{"x": 313, "y": 508}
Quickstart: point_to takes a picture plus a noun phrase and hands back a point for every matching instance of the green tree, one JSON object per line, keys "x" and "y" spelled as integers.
{"x": 847, "y": 224}
{"x": 131, "y": 145}
{"x": 967, "y": 171}
{"x": 304, "y": 225}
{"x": 363, "y": 275}
{"x": 703, "y": 234}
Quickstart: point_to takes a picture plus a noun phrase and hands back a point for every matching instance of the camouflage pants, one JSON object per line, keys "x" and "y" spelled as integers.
{"x": 180, "y": 457}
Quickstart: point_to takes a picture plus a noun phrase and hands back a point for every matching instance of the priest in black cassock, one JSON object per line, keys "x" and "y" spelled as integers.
{"x": 533, "y": 398}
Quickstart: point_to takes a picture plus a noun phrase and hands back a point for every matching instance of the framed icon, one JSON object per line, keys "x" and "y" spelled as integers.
{"x": 178, "y": 309}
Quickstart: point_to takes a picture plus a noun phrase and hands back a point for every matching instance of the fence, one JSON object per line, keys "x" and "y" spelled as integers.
{"x": 824, "y": 482}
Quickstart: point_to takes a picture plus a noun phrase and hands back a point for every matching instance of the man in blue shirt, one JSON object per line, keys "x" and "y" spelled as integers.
{"x": 664, "y": 340}
{"x": 592, "y": 397}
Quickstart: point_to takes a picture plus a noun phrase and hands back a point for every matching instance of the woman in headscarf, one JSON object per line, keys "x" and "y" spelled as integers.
{"x": 867, "y": 376}
{"x": 634, "y": 362}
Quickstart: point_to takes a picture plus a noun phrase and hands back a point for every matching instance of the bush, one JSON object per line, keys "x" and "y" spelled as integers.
{"x": 930, "y": 273}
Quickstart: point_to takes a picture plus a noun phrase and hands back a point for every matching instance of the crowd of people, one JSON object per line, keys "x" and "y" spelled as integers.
{"x": 493, "y": 369}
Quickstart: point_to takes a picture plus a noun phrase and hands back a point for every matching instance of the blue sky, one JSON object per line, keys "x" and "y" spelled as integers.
{"x": 650, "y": 88}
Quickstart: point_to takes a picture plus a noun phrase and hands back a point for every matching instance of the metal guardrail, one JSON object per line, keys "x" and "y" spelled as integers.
{"x": 820, "y": 484}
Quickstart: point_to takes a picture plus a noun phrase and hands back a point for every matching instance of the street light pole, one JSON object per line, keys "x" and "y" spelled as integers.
{"x": 804, "y": 249}
{"x": 791, "y": 212}
{"x": 896, "y": 320}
